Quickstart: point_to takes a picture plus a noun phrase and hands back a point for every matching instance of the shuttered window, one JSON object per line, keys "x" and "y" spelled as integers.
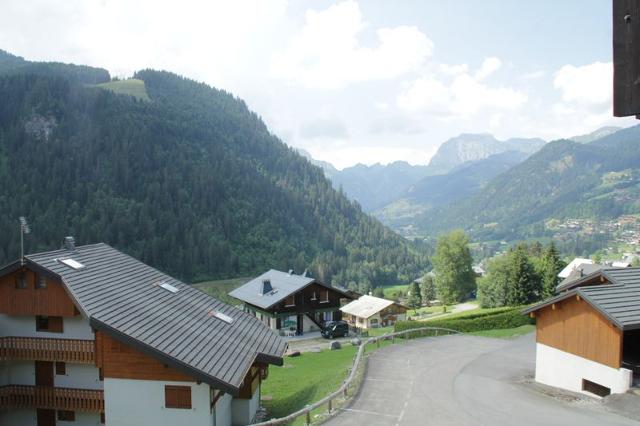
{"x": 177, "y": 396}
{"x": 49, "y": 324}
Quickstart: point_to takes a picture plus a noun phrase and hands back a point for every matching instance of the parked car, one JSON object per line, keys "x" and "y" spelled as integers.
{"x": 332, "y": 329}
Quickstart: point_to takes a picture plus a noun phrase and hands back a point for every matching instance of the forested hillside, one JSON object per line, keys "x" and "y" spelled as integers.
{"x": 191, "y": 182}
{"x": 564, "y": 179}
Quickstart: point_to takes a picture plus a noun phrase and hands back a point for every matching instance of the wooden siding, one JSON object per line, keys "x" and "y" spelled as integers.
{"x": 626, "y": 57}
{"x": 51, "y": 301}
{"x": 576, "y": 327}
{"x": 120, "y": 361}
{"x": 305, "y": 301}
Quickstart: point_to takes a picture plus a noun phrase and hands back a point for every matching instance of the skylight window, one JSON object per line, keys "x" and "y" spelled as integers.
{"x": 168, "y": 287}
{"x": 71, "y": 263}
{"x": 221, "y": 316}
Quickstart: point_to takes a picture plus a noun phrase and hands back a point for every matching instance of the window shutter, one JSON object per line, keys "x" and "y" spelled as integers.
{"x": 177, "y": 396}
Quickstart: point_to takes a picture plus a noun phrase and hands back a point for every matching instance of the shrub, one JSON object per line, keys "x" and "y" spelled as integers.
{"x": 510, "y": 318}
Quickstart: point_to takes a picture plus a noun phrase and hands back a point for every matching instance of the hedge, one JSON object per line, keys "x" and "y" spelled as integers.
{"x": 492, "y": 321}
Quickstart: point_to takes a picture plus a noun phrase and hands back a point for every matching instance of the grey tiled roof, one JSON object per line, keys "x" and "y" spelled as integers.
{"x": 283, "y": 283}
{"x": 582, "y": 271}
{"x": 121, "y": 296}
{"x": 618, "y": 300}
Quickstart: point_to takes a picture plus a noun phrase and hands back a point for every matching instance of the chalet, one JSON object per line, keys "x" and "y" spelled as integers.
{"x": 588, "y": 335}
{"x": 289, "y": 303}
{"x": 372, "y": 312}
{"x": 574, "y": 265}
{"x": 91, "y": 335}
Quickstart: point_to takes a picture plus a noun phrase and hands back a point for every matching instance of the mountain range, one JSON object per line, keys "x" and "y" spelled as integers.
{"x": 178, "y": 174}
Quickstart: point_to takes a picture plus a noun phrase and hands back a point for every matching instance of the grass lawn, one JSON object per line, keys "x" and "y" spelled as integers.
{"x": 220, "y": 289}
{"x": 374, "y": 332}
{"x": 469, "y": 312}
{"x": 132, "y": 87}
{"x": 389, "y": 291}
{"x": 507, "y": 333}
{"x": 304, "y": 380}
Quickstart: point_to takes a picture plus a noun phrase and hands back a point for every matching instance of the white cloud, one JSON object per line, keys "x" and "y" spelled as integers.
{"x": 464, "y": 95}
{"x": 586, "y": 86}
{"x": 327, "y": 52}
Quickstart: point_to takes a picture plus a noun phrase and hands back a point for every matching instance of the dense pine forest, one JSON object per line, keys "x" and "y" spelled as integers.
{"x": 190, "y": 181}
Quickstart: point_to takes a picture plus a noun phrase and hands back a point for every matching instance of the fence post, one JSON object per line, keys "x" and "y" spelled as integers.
{"x": 330, "y": 406}
{"x": 308, "y": 423}
{"x": 393, "y": 339}
{"x": 378, "y": 342}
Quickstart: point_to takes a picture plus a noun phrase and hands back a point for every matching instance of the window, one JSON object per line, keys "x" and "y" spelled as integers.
{"x": 177, "y": 397}
{"x": 102, "y": 418}
{"x": 49, "y": 324}
{"x": 61, "y": 369}
{"x": 595, "y": 388}
{"x": 290, "y": 301}
{"x": 21, "y": 281}
{"x": 74, "y": 264}
{"x": 324, "y": 296}
{"x": 67, "y": 416}
{"x": 313, "y": 296}
{"x": 41, "y": 282}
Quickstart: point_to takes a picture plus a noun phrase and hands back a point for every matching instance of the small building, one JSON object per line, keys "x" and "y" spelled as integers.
{"x": 91, "y": 335}
{"x": 289, "y": 303}
{"x": 479, "y": 271}
{"x": 575, "y": 264}
{"x": 588, "y": 336}
{"x": 372, "y": 312}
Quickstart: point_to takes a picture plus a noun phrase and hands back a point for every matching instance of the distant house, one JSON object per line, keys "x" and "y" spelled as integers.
{"x": 371, "y": 312}
{"x": 479, "y": 271}
{"x": 91, "y": 335}
{"x": 574, "y": 265}
{"x": 588, "y": 336}
{"x": 290, "y": 303}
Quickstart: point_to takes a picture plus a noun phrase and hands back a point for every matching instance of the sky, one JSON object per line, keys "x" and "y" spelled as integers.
{"x": 354, "y": 81}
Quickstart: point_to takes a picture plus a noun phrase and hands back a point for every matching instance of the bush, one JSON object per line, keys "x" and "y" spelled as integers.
{"x": 509, "y": 318}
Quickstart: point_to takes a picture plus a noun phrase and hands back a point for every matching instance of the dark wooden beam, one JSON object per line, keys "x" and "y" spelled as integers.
{"x": 626, "y": 58}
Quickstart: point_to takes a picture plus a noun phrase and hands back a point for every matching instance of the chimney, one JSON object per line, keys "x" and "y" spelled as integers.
{"x": 69, "y": 243}
{"x": 304, "y": 274}
{"x": 266, "y": 287}
{"x": 290, "y": 271}
{"x": 581, "y": 272}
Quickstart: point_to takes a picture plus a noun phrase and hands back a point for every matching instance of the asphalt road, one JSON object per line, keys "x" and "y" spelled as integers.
{"x": 463, "y": 380}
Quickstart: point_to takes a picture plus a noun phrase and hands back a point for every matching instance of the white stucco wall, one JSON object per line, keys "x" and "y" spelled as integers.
{"x": 141, "y": 403}
{"x": 18, "y": 372}
{"x": 20, "y": 417}
{"x": 82, "y": 419}
{"x": 564, "y": 370}
{"x": 82, "y": 376}
{"x": 73, "y": 327}
{"x": 244, "y": 410}
{"x": 308, "y": 324}
{"x": 223, "y": 410}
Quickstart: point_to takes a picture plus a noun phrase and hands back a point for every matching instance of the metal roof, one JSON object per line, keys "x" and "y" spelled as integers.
{"x": 366, "y": 306}
{"x": 283, "y": 284}
{"x": 577, "y": 274}
{"x": 574, "y": 264}
{"x": 618, "y": 299}
{"x": 125, "y": 298}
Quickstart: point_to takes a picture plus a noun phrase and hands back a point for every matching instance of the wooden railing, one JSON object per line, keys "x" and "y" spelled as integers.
{"x": 44, "y": 349}
{"x": 21, "y": 396}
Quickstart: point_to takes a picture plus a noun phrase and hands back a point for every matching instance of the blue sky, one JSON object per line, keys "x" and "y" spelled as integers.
{"x": 354, "y": 81}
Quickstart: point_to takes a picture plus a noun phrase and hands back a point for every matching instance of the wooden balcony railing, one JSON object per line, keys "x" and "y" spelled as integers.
{"x": 21, "y": 396}
{"x": 44, "y": 349}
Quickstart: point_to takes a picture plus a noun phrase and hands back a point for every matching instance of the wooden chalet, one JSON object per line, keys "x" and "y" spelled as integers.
{"x": 588, "y": 336}
{"x": 289, "y": 303}
{"x": 372, "y": 312}
{"x": 91, "y": 335}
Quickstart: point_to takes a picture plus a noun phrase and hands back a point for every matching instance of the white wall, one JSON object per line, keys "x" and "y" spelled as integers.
{"x": 73, "y": 327}
{"x": 82, "y": 419}
{"x": 82, "y": 376}
{"x": 141, "y": 403}
{"x": 244, "y": 410}
{"x": 18, "y": 372}
{"x": 21, "y": 417}
{"x": 308, "y": 324}
{"x": 564, "y": 370}
{"x": 223, "y": 410}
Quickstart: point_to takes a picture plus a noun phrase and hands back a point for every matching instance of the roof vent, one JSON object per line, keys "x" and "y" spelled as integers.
{"x": 266, "y": 287}
{"x": 168, "y": 287}
{"x": 221, "y": 316}
{"x": 71, "y": 263}
{"x": 69, "y": 243}
{"x": 290, "y": 271}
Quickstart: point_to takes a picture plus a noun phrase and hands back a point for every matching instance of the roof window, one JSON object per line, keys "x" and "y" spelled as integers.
{"x": 168, "y": 287}
{"x": 72, "y": 263}
{"x": 221, "y": 316}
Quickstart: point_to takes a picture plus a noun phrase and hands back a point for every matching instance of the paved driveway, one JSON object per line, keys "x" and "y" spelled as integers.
{"x": 463, "y": 380}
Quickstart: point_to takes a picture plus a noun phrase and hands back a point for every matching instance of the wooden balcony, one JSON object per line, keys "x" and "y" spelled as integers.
{"x": 21, "y": 396}
{"x": 44, "y": 349}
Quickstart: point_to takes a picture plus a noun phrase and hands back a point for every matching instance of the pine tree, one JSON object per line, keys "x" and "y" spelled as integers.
{"x": 415, "y": 298}
{"x": 552, "y": 265}
{"x": 524, "y": 284}
{"x": 428, "y": 290}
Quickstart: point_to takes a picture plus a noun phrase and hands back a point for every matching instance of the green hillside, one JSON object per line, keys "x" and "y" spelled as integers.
{"x": 132, "y": 87}
{"x": 563, "y": 180}
{"x": 191, "y": 182}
